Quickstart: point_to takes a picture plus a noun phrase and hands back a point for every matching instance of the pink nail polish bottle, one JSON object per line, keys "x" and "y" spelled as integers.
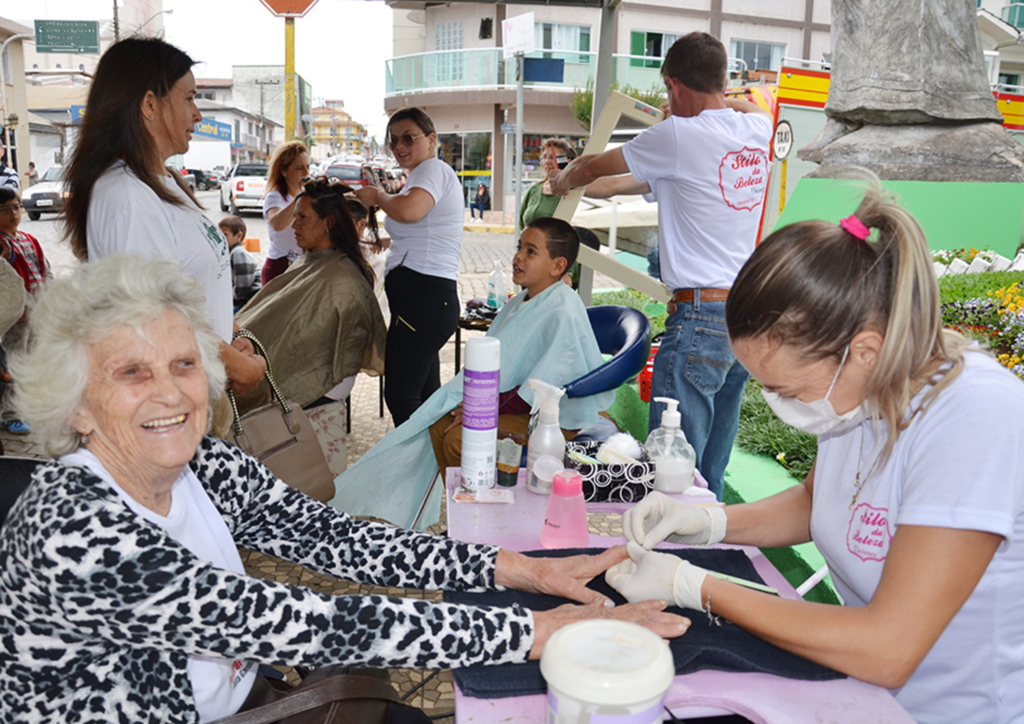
{"x": 565, "y": 525}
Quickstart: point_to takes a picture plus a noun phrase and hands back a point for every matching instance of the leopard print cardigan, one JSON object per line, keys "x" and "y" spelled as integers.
{"x": 100, "y": 610}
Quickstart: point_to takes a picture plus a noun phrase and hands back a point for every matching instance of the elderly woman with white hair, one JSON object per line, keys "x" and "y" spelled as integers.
{"x": 122, "y": 593}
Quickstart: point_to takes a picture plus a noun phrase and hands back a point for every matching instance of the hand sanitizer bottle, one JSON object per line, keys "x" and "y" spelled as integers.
{"x": 673, "y": 456}
{"x": 497, "y": 287}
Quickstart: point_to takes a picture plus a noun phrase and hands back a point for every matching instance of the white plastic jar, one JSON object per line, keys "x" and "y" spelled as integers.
{"x": 606, "y": 672}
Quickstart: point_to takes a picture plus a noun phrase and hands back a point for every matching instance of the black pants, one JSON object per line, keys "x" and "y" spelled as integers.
{"x": 424, "y": 315}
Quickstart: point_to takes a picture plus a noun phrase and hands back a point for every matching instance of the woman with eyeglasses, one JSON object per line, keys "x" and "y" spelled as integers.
{"x": 425, "y": 221}
{"x": 123, "y": 197}
{"x": 319, "y": 319}
{"x": 538, "y": 200}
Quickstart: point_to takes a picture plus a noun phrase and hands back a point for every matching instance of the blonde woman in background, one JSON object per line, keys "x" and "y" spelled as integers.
{"x": 288, "y": 166}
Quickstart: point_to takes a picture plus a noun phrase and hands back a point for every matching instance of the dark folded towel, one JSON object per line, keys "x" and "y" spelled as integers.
{"x": 705, "y": 646}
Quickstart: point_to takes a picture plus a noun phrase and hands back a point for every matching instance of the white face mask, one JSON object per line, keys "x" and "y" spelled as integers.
{"x": 818, "y": 417}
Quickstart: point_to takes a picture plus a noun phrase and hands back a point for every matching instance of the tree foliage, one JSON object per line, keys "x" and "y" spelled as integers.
{"x": 582, "y": 103}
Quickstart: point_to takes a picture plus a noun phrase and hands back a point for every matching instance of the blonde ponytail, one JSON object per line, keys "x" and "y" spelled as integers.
{"x": 814, "y": 285}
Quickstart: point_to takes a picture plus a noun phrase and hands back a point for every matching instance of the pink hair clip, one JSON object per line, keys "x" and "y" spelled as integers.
{"x": 856, "y": 227}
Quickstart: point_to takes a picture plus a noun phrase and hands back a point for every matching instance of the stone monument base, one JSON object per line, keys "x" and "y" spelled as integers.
{"x": 976, "y": 152}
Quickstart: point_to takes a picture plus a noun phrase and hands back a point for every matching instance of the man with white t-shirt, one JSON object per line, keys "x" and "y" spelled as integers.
{"x": 706, "y": 165}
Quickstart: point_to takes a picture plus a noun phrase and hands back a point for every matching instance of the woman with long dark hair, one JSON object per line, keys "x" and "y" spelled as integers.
{"x": 288, "y": 167}
{"x": 425, "y": 223}
{"x": 123, "y": 198}
{"x": 319, "y": 320}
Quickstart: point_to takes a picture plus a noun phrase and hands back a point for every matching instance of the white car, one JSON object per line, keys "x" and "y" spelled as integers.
{"x": 244, "y": 187}
{"x": 47, "y": 196}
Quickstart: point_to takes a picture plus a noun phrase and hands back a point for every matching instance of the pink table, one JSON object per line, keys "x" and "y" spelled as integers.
{"x": 759, "y": 697}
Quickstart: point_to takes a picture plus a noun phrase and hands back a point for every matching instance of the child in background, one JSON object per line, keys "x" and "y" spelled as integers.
{"x": 547, "y": 249}
{"x": 375, "y": 249}
{"x": 244, "y": 277}
{"x": 545, "y": 334}
{"x": 23, "y": 252}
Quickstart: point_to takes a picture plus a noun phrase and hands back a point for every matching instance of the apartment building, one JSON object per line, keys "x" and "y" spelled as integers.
{"x": 335, "y": 133}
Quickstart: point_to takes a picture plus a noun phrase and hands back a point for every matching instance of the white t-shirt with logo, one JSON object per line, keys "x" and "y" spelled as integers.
{"x": 708, "y": 174}
{"x": 219, "y": 686}
{"x": 282, "y": 243}
{"x": 433, "y": 244}
{"x": 125, "y": 215}
{"x": 959, "y": 465}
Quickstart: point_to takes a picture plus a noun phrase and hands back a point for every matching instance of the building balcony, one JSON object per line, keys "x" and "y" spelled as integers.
{"x": 486, "y": 69}
{"x": 1013, "y": 13}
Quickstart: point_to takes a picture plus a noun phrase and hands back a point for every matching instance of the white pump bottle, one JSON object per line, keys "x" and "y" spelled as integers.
{"x": 674, "y": 458}
{"x": 546, "y": 438}
{"x": 497, "y": 287}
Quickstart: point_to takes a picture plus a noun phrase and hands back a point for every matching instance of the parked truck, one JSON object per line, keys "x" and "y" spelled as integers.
{"x": 244, "y": 188}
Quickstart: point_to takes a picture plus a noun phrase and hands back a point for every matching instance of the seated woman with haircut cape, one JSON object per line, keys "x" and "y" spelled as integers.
{"x": 319, "y": 320}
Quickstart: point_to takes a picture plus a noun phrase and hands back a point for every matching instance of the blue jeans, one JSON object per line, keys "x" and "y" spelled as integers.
{"x": 696, "y": 366}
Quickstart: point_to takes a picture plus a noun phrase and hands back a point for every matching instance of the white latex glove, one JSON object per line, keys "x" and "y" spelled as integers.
{"x": 658, "y": 517}
{"x": 650, "y": 575}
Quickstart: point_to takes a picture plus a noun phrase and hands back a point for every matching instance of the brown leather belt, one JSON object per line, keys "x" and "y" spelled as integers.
{"x": 706, "y": 295}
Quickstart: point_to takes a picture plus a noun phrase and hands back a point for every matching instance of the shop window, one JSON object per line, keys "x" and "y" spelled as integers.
{"x": 563, "y": 38}
{"x": 649, "y": 46}
{"x": 758, "y": 55}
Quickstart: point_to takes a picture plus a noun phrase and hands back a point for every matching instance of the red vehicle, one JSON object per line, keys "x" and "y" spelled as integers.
{"x": 353, "y": 174}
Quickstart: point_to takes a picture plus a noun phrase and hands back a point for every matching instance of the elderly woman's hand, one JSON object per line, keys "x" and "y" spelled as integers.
{"x": 245, "y": 371}
{"x": 649, "y": 614}
{"x": 565, "y": 577}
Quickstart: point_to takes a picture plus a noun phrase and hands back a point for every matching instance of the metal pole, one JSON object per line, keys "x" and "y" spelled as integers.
{"x": 519, "y": 138}
{"x": 291, "y": 130}
{"x": 3, "y": 92}
{"x": 603, "y": 72}
{"x": 117, "y": 25}
{"x": 263, "y": 121}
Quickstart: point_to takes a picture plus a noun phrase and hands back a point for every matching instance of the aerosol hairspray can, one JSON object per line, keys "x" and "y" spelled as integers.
{"x": 480, "y": 412}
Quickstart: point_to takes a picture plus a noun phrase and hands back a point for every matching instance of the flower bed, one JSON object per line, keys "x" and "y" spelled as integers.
{"x": 988, "y": 307}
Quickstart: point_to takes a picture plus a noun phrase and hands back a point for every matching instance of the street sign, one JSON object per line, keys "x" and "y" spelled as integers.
{"x": 543, "y": 70}
{"x": 782, "y": 143}
{"x": 518, "y": 35}
{"x": 212, "y": 128}
{"x": 288, "y": 8}
{"x": 67, "y": 36}
{"x": 507, "y": 128}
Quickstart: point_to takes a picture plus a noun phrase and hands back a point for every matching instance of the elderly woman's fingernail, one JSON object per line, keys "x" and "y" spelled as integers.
{"x": 609, "y": 603}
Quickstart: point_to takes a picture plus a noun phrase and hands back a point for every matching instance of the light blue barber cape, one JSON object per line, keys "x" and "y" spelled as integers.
{"x": 547, "y": 338}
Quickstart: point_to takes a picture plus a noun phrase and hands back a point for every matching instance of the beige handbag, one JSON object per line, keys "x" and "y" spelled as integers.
{"x": 281, "y": 437}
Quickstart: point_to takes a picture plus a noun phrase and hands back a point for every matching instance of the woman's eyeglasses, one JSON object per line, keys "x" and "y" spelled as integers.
{"x": 406, "y": 139}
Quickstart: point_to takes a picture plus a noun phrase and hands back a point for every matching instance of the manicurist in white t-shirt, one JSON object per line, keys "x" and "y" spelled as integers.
{"x": 122, "y": 198}
{"x": 288, "y": 166}
{"x": 916, "y": 498}
{"x": 425, "y": 222}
